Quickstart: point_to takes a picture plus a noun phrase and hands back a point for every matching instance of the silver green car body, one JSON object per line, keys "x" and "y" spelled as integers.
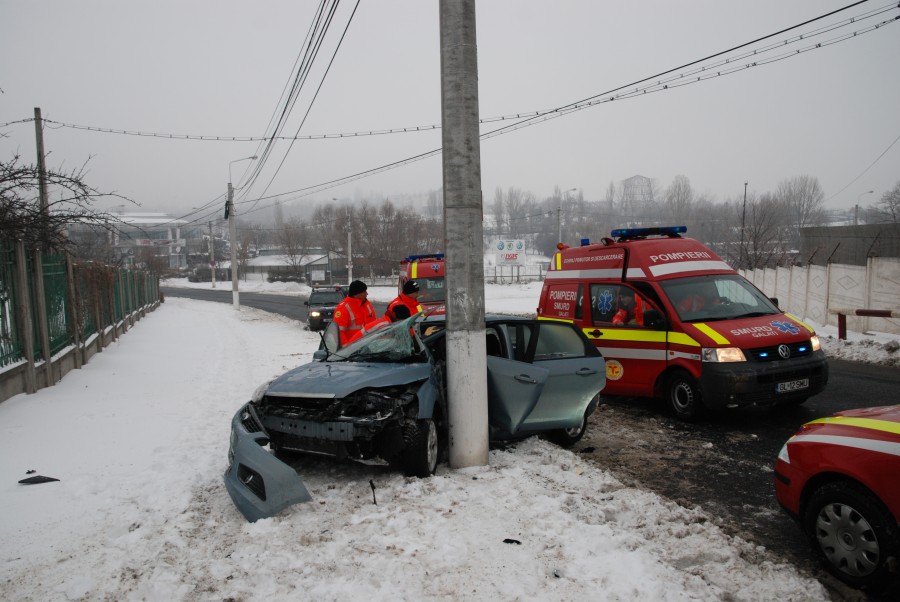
{"x": 383, "y": 396}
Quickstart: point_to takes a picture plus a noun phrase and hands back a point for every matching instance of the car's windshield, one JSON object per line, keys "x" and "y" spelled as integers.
{"x": 392, "y": 343}
{"x": 325, "y": 298}
{"x": 711, "y": 298}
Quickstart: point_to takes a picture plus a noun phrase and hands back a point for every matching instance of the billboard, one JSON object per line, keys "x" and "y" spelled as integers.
{"x": 510, "y": 252}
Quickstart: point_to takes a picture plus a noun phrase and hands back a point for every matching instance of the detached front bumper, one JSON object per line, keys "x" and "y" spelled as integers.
{"x": 260, "y": 485}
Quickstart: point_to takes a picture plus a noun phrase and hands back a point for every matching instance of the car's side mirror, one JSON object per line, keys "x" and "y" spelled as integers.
{"x": 319, "y": 355}
{"x": 655, "y": 320}
{"x": 774, "y": 300}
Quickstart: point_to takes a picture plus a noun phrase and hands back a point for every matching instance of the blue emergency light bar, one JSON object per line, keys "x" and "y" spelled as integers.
{"x": 429, "y": 256}
{"x": 623, "y": 233}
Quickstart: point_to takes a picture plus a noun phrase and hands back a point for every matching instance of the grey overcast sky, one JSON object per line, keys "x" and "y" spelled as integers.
{"x": 219, "y": 69}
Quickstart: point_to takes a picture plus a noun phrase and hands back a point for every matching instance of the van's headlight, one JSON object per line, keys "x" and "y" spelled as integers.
{"x": 314, "y": 314}
{"x": 814, "y": 343}
{"x": 722, "y": 354}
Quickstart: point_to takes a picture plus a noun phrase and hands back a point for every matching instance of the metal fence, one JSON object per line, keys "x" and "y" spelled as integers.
{"x": 56, "y": 312}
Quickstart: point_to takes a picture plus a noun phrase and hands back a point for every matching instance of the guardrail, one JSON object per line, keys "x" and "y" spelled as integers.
{"x": 871, "y": 313}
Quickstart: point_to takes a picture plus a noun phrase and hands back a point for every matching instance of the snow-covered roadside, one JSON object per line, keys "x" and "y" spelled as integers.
{"x": 138, "y": 439}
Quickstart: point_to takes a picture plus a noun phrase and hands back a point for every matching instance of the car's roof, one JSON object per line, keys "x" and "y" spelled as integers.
{"x": 488, "y": 318}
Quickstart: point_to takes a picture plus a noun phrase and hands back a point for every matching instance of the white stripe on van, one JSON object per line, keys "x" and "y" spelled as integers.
{"x": 634, "y": 354}
{"x": 689, "y": 266}
{"x": 608, "y": 274}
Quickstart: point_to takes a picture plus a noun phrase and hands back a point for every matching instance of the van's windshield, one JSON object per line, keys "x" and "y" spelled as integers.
{"x": 712, "y": 298}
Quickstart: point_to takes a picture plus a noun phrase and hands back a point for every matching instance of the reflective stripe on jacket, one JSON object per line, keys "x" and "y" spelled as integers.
{"x": 405, "y": 301}
{"x": 352, "y": 316}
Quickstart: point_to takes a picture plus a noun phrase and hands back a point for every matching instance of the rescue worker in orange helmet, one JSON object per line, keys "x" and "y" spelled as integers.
{"x": 355, "y": 313}
{"x": 406, "y": 304}
{"x": 631, "y": 309}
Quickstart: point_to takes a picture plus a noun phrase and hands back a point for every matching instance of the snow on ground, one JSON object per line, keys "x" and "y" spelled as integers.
{"x": 138, "y": 439}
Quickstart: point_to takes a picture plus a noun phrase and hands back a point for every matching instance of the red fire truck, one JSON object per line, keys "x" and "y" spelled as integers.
{"x": 674, "y": 321}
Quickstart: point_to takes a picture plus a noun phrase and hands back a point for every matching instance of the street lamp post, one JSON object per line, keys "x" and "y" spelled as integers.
{"x": 743, "y": 218}
{"x": 229, "y": 213}
{"x": 856, "y": 212}
{"x": 349, "y": 244}
{"x": 559, "y": 213}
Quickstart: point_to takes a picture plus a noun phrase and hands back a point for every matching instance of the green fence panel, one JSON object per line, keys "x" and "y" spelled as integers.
{"x": 117, "y": 297}
{"x": 10, "y": 341}
{"x": 54, "y": 268}
{"x": 83, "y": 293}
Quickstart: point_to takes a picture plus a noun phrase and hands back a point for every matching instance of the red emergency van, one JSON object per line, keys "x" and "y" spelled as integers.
{"x": 428, "y": 271}
{"x": 674, "y": 321}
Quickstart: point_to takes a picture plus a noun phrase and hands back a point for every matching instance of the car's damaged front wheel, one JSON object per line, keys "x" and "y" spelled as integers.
{"x": 422, "y": 448}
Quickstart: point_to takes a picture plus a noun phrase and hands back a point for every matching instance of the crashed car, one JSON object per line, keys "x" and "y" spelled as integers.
{"x": 321, "y": 304}
{"x": 384, "y": 397}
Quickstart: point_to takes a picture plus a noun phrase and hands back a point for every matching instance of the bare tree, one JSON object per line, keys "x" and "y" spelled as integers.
{"x": 23, "y": 218}
{"x": 763, "y": 230}
{"x": 889, "y": 206}
{"x": 679, "y": 199}
{"x": 294, "y": 241}
{"x": 803, "y": 202}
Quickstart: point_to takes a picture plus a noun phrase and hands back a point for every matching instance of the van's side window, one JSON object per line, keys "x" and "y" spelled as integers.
{"x": 603, "y": 303}
{"x": 617, "y": 305}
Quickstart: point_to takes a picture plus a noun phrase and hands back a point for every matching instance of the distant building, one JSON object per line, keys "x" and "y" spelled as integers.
{"x": 134, "y": 236}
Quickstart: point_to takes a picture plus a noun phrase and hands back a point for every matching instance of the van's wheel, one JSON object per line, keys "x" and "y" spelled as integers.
{"x": 421, "y": 450}
{"x": 683, "y": 396}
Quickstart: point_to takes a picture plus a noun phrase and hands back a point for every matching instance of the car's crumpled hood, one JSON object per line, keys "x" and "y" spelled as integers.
{"x": 339, "y": 379}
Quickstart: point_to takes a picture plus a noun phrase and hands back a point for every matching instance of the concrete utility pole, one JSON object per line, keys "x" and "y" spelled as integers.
{"x": 349, "y": 246}
{"x": 232, "y": 235}
{"x": 42, "y": 168}
{"x": 229, "y": 204}
{"x": 212, "y": 257}
{"x": 743, "y": 218}
{"x": 463, "y": 237}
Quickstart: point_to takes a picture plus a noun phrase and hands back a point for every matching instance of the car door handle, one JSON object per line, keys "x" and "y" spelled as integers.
{"x": 524, "y": 378}
{"x": 595, "y": 333}
{"x": 585, "y": 372}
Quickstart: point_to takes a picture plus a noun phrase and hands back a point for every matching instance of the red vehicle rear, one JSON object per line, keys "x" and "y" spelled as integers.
{"x": 839, "y": 477}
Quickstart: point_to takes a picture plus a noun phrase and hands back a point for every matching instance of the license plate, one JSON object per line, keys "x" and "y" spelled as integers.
{"x": 792, "y": 385}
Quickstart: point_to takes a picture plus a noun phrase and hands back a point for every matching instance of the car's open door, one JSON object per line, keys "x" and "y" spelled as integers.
{"x": 513, "y": 390}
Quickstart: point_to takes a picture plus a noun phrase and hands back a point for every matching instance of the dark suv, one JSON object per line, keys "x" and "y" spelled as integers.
{"x": 321, "y": 304}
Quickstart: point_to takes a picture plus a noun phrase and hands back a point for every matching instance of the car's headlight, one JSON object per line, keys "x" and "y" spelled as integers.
{"x": 259, "y": 392}
{"x": 314, "y": 314}
{"x": 814, "y": 342}
{"x": 722, "y": 354}
{"x": 783, "y": 454}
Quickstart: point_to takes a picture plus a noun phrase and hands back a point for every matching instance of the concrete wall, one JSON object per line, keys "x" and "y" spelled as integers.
{"x": 814, "y": 291}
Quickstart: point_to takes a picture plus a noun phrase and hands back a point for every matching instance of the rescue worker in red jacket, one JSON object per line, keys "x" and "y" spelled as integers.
{"x": 406, "y": 304}
{"x": 702, "y": 296}
{"x": 631, "y": 309}
{"x": 355, "y": 315}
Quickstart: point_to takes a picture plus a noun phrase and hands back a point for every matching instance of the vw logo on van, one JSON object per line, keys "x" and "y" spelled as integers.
{"x": 784, "y": 351}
